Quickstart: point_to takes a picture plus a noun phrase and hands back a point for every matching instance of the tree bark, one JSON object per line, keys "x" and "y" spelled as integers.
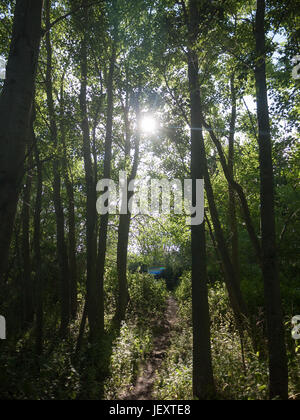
{"x": 27, "y": 289}
{"x": 93, "y": 289}
{"x": 232, "y": 198}
{"x": 124, "y": 225}
{"x": 235, "y": 295}
{"x": 236, "y": 299}
{"x": 71, "y": 214}
{"x": 15, "y": 113}
{"x": 275, "y": 330}
{"x": 240, "y": 192}
{"x": 62, "y": 253}
{"x": 203, "y": 381}
{"x": 39, "y": 282}
{"x": 106, "y": 175}
{"x": 81, "y": 329}
{"x": 234, "y": 291}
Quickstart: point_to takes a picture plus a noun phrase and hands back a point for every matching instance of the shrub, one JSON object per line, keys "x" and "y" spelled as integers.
{"x": 129, "y": 351}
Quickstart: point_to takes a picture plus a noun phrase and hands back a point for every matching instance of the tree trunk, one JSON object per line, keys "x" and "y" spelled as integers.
{"x": 122, "y": 254}
{"x": 124, "y": 227}
{"x": 27, "y": 295}
{"x": 93, "y": 290}
{"x": 240, "y": 192}
{"x": 15, "y": 113}
{"x": 236, "y": 299}
{"x": 39, "y": 282}
{"x": 81, "y": 329}
{"x": 234, "y": 291}
{"x": 72, "y": 248}
{"x": 62, "y": 253}
{"x": 71, "y": 214}
{"x": 232, "y": 199}
{"x": 106, "y": 175}
{"x": 275, "y": 330}
{"x": 203, "y": 381}
{"x": 215, "y": 245}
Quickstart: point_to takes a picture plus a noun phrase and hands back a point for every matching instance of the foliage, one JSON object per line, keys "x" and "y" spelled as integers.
{"x": 239, "y": 374}
{"x": 150, "y": 38}
{"x": 134, "y": 343}
{"x": 129, "y": 351}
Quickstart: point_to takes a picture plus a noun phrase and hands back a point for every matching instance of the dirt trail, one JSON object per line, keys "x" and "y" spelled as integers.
{"x": 143, "y": 387}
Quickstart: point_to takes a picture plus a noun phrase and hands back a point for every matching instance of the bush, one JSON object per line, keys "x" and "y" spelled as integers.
{"x": 174, "y": 380}
{"x": 234, "y": 380}
{"x": 147, "y": 297}
{"x": 183, "y": 295}
{"x": 134, "y": 343}
{"x": 129, "y": 351}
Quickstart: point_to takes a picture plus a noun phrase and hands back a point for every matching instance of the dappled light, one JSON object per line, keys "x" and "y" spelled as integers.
{"x": 149, "y": 203}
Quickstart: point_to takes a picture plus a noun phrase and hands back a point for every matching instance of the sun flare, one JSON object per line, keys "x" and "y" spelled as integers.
{"x": 148, "y": 124}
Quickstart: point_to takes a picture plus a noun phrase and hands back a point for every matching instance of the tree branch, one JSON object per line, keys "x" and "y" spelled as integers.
{"x": 65, "y": 16}
{"x": 239, "y": 190}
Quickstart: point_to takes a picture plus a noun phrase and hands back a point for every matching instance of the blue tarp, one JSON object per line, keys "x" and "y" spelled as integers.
{"x": 156, "y": 271}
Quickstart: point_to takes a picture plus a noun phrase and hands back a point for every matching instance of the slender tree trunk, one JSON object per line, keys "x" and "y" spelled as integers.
{"x": 124, "y": 228}
{"x": 72, "y": 248}
{"x": 71, "y": 214}
{"x": 234, "y": 291}
{"x": 232, "y": 199}
{"x": 106, "y": 175}
{"x": 27, "y": 290}
{"x": 203, "y": 381}
{"x": 15, "y": 113}
{"x": 37, "y": 257}
{"x": 235, "y": 295}
{"x": 275, "y": 330}
{"x": 62, "y": 253}
{"x": 94, "y": 143}
{"x": 240, "y": 192}
{"x": 93, "y": 290}
{"x": 81, "y": 329}
{"x": 122, "y": 254}
{"x": 215, "y": 245}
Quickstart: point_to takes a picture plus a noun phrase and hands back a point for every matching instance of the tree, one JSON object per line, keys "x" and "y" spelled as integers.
{"x": 93, "y": 290}
{"x": 102, "y": 247}
{"x": 15, "y": 113}
{"x": 71, "y": 211}
{"x": 39, "y": 307}
{"x": 125, "y": 219}
{"x": 232, "y": 198}
{"x": 190, "y": 66}
{"x": 27, "y": 285}
{"x": 62, "y": 253}
{"x": 203, "y": 382}
{"x": 275, "y": 331}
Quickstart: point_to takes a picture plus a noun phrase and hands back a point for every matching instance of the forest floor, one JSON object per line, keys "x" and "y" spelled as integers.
{"x": 143, "y": 387}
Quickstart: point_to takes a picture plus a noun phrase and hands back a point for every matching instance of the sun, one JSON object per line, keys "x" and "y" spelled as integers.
{"x": 148, "y": 124}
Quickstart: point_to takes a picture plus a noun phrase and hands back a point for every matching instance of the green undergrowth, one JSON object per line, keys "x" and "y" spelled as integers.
{"x": 240, "y": 373}
{"x": 98, "y": 372}
{"x": 135, "y": 341}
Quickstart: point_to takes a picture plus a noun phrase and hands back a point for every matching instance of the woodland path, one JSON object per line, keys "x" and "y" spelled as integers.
{"x": 143, "y": 388}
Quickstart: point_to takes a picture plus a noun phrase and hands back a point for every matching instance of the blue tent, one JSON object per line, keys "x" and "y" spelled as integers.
{"x": 156, "y": 271}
